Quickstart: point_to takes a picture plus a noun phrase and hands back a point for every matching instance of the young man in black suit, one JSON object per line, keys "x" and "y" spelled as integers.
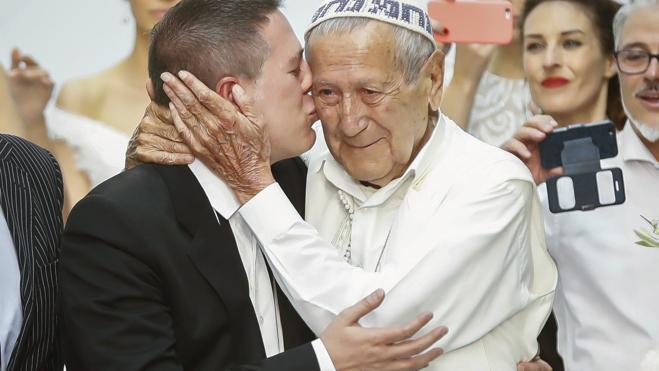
{"x": 158, "y": 270}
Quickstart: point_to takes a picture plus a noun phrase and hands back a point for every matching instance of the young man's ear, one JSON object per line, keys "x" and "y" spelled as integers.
{"x": 224, "y": 88}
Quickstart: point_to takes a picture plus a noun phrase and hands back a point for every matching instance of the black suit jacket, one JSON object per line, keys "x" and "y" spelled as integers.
{"x": 31, "y": 198}
{"x": 150, "y": 281}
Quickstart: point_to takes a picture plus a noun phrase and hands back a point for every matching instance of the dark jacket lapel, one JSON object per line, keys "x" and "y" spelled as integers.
{"x": 214, "y": 252}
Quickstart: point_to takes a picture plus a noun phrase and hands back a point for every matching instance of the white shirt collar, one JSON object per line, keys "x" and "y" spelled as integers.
{"x": 220, "y": 195}
{"x": 336, "y": 174}
{"x": 632, "y": 148}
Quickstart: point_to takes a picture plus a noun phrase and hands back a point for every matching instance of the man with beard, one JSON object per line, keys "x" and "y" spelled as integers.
{"x": 608, "y": 257}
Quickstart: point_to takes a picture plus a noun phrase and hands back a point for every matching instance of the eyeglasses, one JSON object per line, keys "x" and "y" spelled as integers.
{"x": 634, "y": 62}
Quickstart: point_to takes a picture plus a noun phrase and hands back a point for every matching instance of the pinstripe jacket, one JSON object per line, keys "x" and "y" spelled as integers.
{"x": 31, "y": 197}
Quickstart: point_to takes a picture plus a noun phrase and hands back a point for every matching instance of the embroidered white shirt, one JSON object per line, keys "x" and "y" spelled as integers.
{"x": 460, "y": 234}
{"x": 607, "y": 300}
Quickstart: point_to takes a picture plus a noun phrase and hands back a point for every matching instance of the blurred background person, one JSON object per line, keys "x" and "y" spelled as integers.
{"x": 606, "y": 298}
{"x": 96, "y": 115}
{"x": 9, "y": 121}
{"x": 569, "y": 61}
{"x": 487, "y": 95}
{"x": 24, "y": 93}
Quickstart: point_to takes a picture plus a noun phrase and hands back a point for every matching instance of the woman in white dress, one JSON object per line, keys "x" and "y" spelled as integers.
{"x": 96, "y": 115}
{"x": 488, "y": 95}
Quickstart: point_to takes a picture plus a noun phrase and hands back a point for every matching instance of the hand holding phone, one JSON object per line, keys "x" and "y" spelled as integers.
{"x": 585, "y": 185}
{"x": 472, "y": 21}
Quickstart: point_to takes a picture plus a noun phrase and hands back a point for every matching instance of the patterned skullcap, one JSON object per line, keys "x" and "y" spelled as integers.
{"x": 409, "y": 14}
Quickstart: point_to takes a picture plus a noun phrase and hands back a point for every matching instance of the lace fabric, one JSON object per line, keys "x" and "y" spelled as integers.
{"x": 98, "y": 148}
{"x": 500, "y": 108}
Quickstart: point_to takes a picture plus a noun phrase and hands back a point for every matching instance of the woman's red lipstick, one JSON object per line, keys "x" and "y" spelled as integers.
{"x": 555, "y": 82}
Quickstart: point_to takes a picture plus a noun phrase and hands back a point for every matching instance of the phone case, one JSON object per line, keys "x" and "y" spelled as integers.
{"x": 473, "y": 21}
{"x": 603, "y": 135}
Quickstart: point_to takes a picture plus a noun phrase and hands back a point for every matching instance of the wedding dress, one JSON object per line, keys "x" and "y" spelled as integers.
{"x": 98, "y": 148}
{"x": 500, "y": 108}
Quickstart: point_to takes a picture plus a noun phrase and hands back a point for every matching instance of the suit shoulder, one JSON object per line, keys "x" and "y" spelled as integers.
{"x": 23, "y": 148}
{"x": 136, "y": 193}
{"x": 39, "y": 164}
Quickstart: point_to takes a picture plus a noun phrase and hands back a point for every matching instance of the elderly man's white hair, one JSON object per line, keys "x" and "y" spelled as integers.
{"x": 411, "y": 51}
{"x": 623, "y": 14}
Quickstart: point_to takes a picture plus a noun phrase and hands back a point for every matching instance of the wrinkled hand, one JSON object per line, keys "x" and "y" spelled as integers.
{"x": 30, "y": 87}
{"x": 156, "y": 140}
{"x": 536, "y": 365}
{"x": 525, "y": 144}
{"x": 230, "y": 140}
{"x": 353, "y": 347}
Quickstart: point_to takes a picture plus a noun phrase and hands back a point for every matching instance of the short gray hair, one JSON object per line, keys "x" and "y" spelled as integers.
{"x": 623, "y": 14}
{"x": 412, "y": 50}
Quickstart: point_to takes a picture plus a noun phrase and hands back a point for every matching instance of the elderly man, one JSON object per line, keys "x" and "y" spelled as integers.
{"x": 404, "y": 200}
{"x": 608, "y": 257}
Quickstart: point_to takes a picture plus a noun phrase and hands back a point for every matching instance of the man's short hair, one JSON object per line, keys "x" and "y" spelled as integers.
{"x": 622, "y": 15}
{"x": 210, "y": 39}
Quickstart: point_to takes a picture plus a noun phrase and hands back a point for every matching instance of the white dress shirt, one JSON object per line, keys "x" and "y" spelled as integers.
{"x": 11, "y": 312}
{"x": 607, "y": 299}
{"x": 459, "y": 234}
{"x": 261, "y": 292}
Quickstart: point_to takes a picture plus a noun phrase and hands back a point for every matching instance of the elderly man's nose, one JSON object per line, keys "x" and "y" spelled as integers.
{"x": 352, "y": 122}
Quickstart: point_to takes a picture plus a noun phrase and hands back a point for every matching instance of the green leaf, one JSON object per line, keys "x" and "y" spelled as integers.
{"x": 646, "y": 239}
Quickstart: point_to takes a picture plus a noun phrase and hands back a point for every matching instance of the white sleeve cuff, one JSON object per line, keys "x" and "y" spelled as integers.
{"x": 324, "y": 361}
{"x": 270, "y": 213}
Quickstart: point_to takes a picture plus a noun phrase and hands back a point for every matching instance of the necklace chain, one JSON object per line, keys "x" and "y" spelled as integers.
{"x": 347, "y": 230}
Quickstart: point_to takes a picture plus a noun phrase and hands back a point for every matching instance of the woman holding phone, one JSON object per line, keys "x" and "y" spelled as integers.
{"x": 570, "y": 68}
{"x": 487, "y": 95}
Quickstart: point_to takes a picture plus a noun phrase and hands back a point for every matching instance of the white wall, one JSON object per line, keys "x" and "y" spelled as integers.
{"x": 79, "y": 37}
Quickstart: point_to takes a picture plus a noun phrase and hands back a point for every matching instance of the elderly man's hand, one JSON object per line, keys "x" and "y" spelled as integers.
{"x": 231, "y": 141}
{"x": 156, "y": 140}
{"x": 353, "y": 347}
{"x": 525, "y": 144}
{"x": 536, "y": 365}
{"x": 30, "y": 87}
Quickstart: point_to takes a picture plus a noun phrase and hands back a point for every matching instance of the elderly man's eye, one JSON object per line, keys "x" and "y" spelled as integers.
{"x": 371, "y": 96}
{"x": 326, "y": 95}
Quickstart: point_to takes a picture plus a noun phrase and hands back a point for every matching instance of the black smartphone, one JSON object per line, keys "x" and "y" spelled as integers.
{"x": 602, "y": 134}
{"x": 584, "y": 185}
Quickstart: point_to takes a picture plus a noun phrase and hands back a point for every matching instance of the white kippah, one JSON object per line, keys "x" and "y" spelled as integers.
{"x": 409, "y": 14}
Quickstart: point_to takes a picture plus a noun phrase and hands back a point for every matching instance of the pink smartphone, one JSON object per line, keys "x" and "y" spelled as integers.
{"x": 473, "y": 21}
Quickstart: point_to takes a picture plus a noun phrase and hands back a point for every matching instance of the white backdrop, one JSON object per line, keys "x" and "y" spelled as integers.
{"x": 79, "y": 37}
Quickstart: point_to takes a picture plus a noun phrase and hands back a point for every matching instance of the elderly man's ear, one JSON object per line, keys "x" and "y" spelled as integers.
{"x": 433, "y": 70}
